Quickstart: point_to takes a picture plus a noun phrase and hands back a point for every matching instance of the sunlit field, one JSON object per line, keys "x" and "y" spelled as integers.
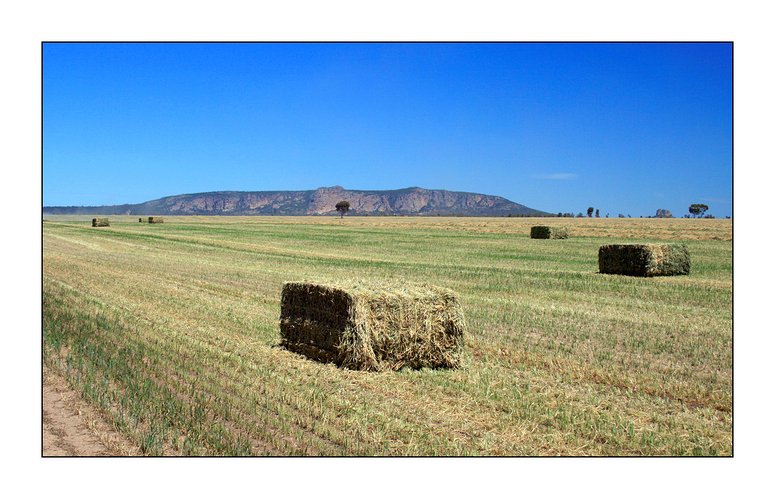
{"x": 172, "y": 331}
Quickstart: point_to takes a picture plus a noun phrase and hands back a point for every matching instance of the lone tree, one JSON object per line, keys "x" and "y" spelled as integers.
{"x": 698, "y": 209}
{"x": 343, "y": 207}
{"x": 589, "y": 211}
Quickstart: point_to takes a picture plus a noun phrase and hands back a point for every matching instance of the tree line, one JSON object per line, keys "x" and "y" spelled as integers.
{"x": 697, "y": 210}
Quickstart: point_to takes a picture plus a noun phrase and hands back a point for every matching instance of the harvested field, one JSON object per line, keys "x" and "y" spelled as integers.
{"x": 649, "y": 229}
{"x": 174, "y": 336}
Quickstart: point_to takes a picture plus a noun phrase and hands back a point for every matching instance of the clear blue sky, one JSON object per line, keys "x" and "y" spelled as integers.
{"x": 625, "y": 128}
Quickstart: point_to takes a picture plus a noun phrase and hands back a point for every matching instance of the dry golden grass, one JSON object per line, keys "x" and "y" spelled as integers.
{"x": 629, "y": 228}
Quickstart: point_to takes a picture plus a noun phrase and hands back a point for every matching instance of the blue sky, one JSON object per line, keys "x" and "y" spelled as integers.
{"x": 626, "y": 128}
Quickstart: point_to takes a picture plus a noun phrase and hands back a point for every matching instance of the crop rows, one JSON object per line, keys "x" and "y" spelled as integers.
{"x": 171, "y": 330}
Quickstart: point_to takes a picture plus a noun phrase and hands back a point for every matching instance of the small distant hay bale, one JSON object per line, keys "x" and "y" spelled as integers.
{"x": 644, "y": 260}
{"x": 373, "y": 326}
{"x": 155, "y": 220}
{"x": 143, "y": 220}
{"x": 546, "y": 232}
{"x": 100, "y": 222}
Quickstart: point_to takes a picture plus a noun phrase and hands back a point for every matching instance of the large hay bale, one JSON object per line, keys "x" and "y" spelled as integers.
{"x": 644, "y": 260}
{"x": 155, "y": 220}
{"x": 545, "y": 232}
{"x": 100, "y": 222}
{"x": 143, "y": 220}
{"x": 373, "y": 326}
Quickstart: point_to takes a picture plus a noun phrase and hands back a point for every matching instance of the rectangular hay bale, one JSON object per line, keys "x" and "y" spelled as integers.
{"x": 155, "y": 220}
{"x": 100, "y": 222}
{"x": 143, "y": 220}
{"x": 546, "y": 232}
{"x": 644, "y": 260}
{"x": 373, "y": 326}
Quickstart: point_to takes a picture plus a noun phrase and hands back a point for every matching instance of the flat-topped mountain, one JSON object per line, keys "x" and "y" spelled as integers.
{"x": 322, "y": 201}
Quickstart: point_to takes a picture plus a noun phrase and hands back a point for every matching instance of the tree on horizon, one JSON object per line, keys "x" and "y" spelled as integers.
{"x": 698, "y": 209}
{"x": 342, "y": 207}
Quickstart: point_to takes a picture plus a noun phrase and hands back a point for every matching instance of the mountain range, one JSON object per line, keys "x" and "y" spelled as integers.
{"x": 321, "y": 201}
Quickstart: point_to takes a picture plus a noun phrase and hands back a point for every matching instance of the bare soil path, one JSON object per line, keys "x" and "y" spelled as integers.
{"x": 72, "y": 428}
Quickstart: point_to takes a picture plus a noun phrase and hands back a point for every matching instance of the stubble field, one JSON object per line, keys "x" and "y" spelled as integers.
{"x": 171, "y": 331}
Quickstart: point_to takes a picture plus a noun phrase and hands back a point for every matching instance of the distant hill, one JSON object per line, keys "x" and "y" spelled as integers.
{"x": 322, "y": 201}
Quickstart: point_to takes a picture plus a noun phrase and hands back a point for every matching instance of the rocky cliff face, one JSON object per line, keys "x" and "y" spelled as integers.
{"x": 230, "y": 203}
{"x": 322, "y": 201}
{"x": 414, "y": 200}
{"x": 664, "y": 214}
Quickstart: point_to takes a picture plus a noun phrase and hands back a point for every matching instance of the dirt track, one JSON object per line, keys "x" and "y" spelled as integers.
{"x": 72, "y": 428}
